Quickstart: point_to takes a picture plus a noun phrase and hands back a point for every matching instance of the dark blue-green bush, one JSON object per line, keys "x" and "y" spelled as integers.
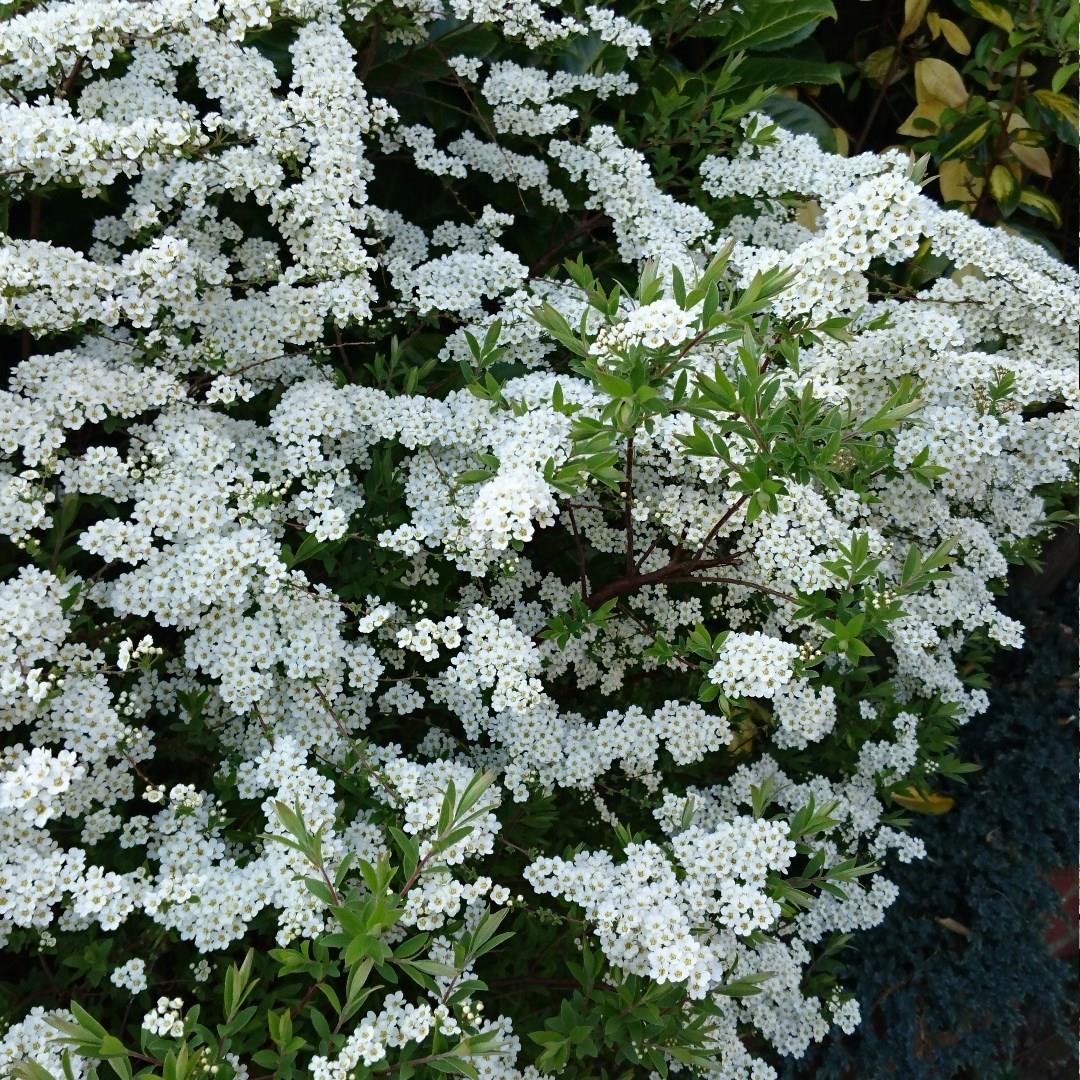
{"x": 937, "y": 1003}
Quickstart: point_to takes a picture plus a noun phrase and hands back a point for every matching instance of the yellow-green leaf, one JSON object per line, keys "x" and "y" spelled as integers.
{"x": 956, "y": 37}
{"x": 1064, "y": 106}
{"x": 923, "y": 802}
{"x": 1002, "y": 183}
{"x": 958, "y": 183}
{"x": 1040, "y": 204}
{"x": 808, "y": 213}
{"x": 939, "y": 81}
{"x": 1024, "y": 135}
{"x": 972, "y": 138}
{"x": 914, "y": 11}
{"x": 929, "y": 110}
{"x": 993, "y": 13}
{"x": 1034, "y": 158}
{"x": 881, "y": 65}
{"x": 743, "y": 740}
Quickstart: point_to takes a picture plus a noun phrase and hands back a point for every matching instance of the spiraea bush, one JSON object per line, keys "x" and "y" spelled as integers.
{"x": 498, "y": 537}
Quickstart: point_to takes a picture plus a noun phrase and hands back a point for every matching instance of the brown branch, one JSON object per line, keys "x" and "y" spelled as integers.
{"x": 677, "y": 572}
{"x": 646, "y": 629}
{"x": 631, "y": 583}
{"x": 414, "y": 877}
{"x": 648, "y": 551}
{"x": 35, "y": 234}
{"x": 72, "y": 76}
{"x": 532, "y": 980}
{"x": 339, "y": 344}
{"x": 1002, "y": 140}
{"x": 550, "y": 257}
{"x": 676, "y": 554}
{"x": 894, "y": 62}
{"x": 351, "y": 743}
{"x": 589, "y": 506}
{"x": 710, "y": 536}
{"x": 696, "y": 340}
{"x": 739, "y": 581}
{"x": 368, "y": 61}
{"x": 580, "y": 552}
{"x": 680, "y": 545}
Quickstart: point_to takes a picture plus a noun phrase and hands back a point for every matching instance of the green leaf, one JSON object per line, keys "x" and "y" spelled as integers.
{"x": 474, "y": 476}
{"x": 408, "y": 949}
{"x": 122, "y": 1067}
{"x": 112, "y": 1047}
{"x": 546, "y": 1038}
{"x": 746, "y": 985}
{"x": 488, "y": 925}
{"x": 789, "y": 71}
{"x": 613, "y": 386}
{"x": 491, "y": 339}
{"x": 433, "y": 967}
{"x": 769, "y": 24}
{"x": 800, "y": 118}
{"x": 308, "y": 549}
{"x": 452, "y": 1067}
{"x": 480, "y": 782}
{"x": 678, "y": 287}
{"x": 1004, "y": 186}
{"x": 320, "y": 890}
{"x": 970, "y": 140}
{"x": 238, "y": 1022}
{"x": 29, "y": 1070}
{"x": 556, "y": 325}
{"x": 87, "y": 1022}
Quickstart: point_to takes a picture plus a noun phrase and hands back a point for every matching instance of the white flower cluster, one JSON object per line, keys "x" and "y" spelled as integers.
{"x": 130, "y": 976}
{"x": 32, "y": 780}
{"x": 657, "y": 325}
{"x": 217, "y": 477}
{"x": 164, "y": 1018}
{"x": 649, "y": 917}
{"x": 33, "y": 1039}
{"x": 754, "y": 665}
{"x": 803, "y": 714}
{"x": 395, "y": 1024}
{"x": 648, "y": 222}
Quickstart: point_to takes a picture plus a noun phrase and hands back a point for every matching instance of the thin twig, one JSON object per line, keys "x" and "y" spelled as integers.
{"x": 628, "y": 505}
{"x": 550, "y": 257}
{"x": 648, "y": 551}
{"x": 1002, "y": 140}
{"x": 645, "y": 629}
{"x": 72, "y": 76}
{"x": 737, "y": 581}
{"x": 580, "y": 551}
{"x": 710, "y": 536}
{"x": 894, "y": 61}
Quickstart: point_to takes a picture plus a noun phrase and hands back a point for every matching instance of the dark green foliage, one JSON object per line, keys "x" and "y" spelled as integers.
{"x": 958, "y": 970}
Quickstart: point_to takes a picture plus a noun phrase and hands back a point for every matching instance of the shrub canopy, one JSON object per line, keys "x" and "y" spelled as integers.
{"x": 381, "y": 582}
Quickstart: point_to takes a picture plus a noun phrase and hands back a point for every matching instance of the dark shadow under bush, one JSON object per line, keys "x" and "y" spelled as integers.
{"x": 959, "y": 976}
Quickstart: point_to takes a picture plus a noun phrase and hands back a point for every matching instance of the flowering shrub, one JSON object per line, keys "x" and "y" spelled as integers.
{"x": 419, "y": 657}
